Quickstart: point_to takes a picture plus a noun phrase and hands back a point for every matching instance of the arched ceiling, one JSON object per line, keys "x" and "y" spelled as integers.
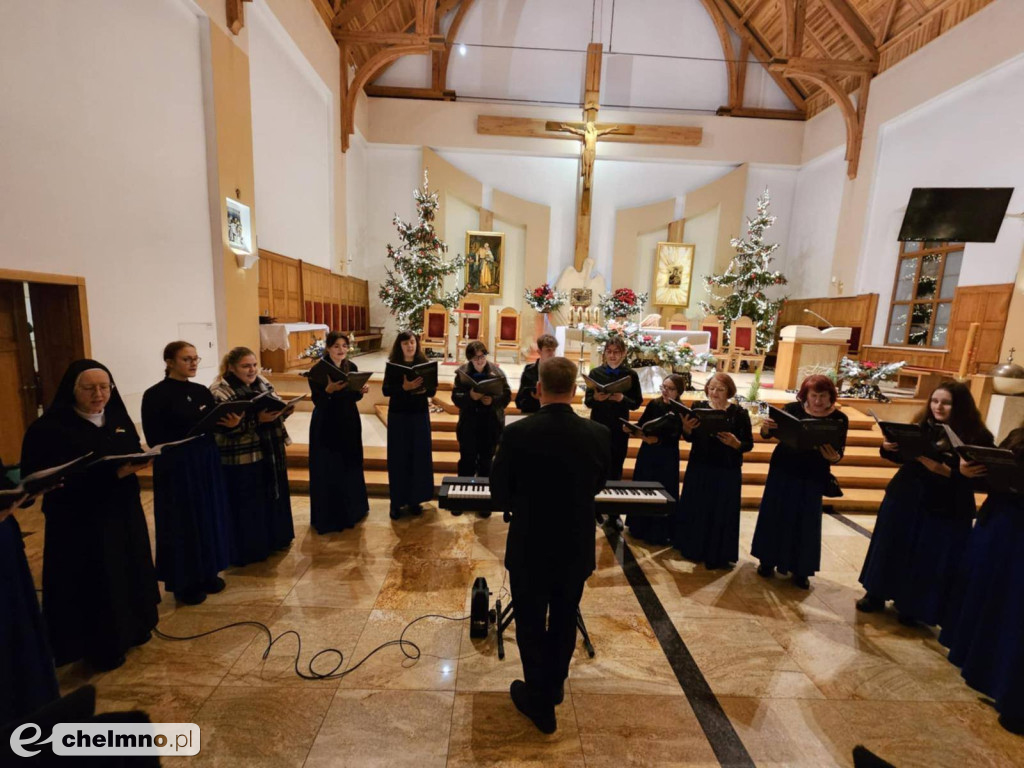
{"x": 763, "y": 58}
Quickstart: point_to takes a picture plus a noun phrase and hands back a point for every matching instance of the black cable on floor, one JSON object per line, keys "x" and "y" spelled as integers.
{"x": 333, "y": 674}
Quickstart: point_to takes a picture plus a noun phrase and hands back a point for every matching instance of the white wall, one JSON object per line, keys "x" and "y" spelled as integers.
{"x": 357, "y": 180}
{"x": 291, "y": 136}
{"x": 807, "y": 258}
{"x": 969, "y": 137}
{"x": 643, "y": 274}
{"x": 103, "y": 170}
{"x": 702, "y": 233}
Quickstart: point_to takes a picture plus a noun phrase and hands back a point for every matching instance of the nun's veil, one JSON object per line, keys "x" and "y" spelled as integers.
{"x": 64, "y": 399}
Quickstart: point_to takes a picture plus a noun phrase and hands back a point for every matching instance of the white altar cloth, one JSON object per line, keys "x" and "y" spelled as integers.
{"x": 275, "y": 335}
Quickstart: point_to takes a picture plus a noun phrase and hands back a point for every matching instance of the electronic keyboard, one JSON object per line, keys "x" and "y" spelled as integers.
{"x": 618, "y": 497}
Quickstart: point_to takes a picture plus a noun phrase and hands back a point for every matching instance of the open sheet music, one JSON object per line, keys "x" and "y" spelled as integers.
{"x": 1004, "y": 474}
{"x": 652, "y": 427}
{"x": 142, "y": 457}
{"x": 395, "y": 374}
{"x": 326, "y": 372}
{"x": 492, "y": 387}
{"x": 806, "y": 434}
{"x": 268, "y": 401}
{"x": 612, "y": 387}
{"x": 914, "y": 440}
{"x": 210, "y": 419}
{"x": 42, "y": 481}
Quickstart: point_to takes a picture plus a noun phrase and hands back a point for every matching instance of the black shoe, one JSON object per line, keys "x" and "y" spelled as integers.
{"x": 216, "y": 585}
{"x": 143, "y": 639}
{"x": 542, "y": 716}
{"x": 106, "y": 663}
{"x": 415, "y": 510}
{"x": 869, "y": 604}
{"x": 765, "y": 571}
{"x": 614, "y": 522}
{"x": 599, "y": 519}
{"x": 190, "y": 596}
{"x": 395, "y": 513}
{"x": 908, "y": 621}
{"x": 783, "y": 573}
{"x": 1012, "y": 724}
{"x": 485, "y": 513}
{"x": 801, "y": 581}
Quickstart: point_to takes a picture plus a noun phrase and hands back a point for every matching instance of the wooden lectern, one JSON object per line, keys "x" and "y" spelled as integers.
{"x": 803, "y": 348}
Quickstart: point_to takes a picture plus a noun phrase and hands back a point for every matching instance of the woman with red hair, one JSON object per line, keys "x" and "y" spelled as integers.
{"x": 788, "y": 532}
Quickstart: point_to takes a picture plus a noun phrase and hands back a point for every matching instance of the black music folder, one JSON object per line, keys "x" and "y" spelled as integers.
{"x": 806, "y": 434}
{"x": 612, "y": 387}
{"x": 209, "y": 421}
{"x": 395, "y": 374}
{"x": 914, "y": 440}
{"x": 711, "y": 420}
{"x": 268, "y": 401}
{"x": 42, "y": 481}
{"x": 652, "y": 427}
{"x": 492, "y": 387}
{"x": 142, "y": 457}
{"x": 1004, "y": 473}
{"x": 328, "y": 373}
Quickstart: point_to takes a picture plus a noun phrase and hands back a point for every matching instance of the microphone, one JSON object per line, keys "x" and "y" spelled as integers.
{"x": 823, "y": 319}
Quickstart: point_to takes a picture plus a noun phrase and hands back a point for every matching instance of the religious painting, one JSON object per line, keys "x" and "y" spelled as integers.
{"x": 673, "y": 275}
{"x": 485, "y": 260}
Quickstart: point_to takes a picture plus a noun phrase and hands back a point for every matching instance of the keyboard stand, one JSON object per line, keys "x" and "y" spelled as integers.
{"x": 503, "y": 617}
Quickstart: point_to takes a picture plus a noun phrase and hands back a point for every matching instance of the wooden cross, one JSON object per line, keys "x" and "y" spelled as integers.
{"x": 588, "y": 132}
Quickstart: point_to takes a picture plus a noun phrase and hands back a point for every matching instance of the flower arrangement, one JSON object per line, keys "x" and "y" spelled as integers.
{"x": 643, "y": 349}
{"x": 316, "y": 349}
{"x": 862, "y": 378}
{"x": 621, "y": 303}
{"x": 544, "y": 298}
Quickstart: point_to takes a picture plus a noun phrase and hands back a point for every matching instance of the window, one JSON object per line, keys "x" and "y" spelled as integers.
{"x": 927, "y": 274}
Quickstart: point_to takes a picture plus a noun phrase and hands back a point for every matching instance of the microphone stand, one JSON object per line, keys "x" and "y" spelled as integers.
{"x": 823, "y": 319}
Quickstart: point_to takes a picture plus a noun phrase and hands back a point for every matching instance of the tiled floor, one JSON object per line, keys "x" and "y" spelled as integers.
{"x": 801, "y": 677}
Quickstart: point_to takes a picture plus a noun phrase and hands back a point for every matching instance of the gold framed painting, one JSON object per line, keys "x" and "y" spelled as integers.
{"x": 485, "y": 261}
{"x": 673, "y": 275}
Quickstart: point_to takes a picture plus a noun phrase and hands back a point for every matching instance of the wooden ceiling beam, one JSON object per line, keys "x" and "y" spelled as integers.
{"x": 917, "y": 5}
{"x": 431, "y": 42}
{"x": 792, "y": 14}
{"x": 732, "y": 65}
{"x": 854, "y": 27}
{"x": 760, "y": 51}
{"x": 809, "y": 34}
{"x": 886, "y": 28}
{"x": 349, "y": 11}
{"x": 853, "y": 115}
{"x": 764, "y": 114}
{"x": 453, "y": 33}
{"x": 751, "y": 10}
{"x": 840, "y": 67}
{"x": 399, "y": 92}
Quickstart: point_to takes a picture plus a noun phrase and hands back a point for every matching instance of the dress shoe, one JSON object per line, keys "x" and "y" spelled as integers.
{"x": 415, "y": 510}
{"x": 106, "y": 663}
{"x": 765, "y": 571}
{"x": 486, "y": 513}
{"x": 394, "y": 513}
{"x": 908, "y": 621}
{"x": 216, "y": 585}
{"x": 783, "y": 572}
{"x": 542, "y": 716}
{"x": 190, "y": 596}
{"x": 869, "y": 604}
{"x": 1012, "y": 724}
{"x": 615, "y": 523}
{"x": 802, "y": 582}
{"x": 143, "y": 639}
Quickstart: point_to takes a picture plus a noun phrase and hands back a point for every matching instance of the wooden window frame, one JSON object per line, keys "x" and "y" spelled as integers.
{"x": 943, "y": 250}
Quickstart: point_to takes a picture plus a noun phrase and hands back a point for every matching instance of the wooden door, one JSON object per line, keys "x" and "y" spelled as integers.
{"x": 988, "y": 305}
{"x": 60, "y": 338}
{"x": 18, "y": 403}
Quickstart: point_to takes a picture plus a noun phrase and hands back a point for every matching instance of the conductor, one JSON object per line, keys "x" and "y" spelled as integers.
{"x": 550, "y": 549}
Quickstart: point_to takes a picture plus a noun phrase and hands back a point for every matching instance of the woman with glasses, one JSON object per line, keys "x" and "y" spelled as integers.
{"x": 707, "y": 520}
{"x": 100, "y": 590}
{"x": 410, "y": 457}
{"x": 337, "y": 487}
{"x": 658, "y": 458}
{"x": 481, "y": 416}
{"x": 254, "y": 463}
{"x": 189, "y": 497}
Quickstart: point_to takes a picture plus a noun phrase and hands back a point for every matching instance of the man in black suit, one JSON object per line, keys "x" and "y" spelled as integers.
{"x": 547, "y": 471}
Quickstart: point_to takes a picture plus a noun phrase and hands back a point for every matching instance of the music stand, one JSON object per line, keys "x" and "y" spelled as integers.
{"x": 503, "y": 617}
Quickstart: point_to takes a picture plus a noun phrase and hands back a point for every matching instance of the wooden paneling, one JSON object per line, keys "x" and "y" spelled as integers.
{"x": 857, "y": 312}
{"x": 17, "y": 376}
{"x": 988, "y": 305}
{"x": 918, "y": 357}
{"x": 280, "y": 287}
{"x": 57, "y": 315}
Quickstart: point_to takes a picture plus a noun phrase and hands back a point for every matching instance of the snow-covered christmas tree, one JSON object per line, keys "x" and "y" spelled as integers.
{"x": 748, "y": 277}
{"x": 415, "y": 280}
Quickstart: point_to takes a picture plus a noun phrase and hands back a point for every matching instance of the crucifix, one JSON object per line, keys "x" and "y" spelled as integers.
{"x": 590, "y": 133}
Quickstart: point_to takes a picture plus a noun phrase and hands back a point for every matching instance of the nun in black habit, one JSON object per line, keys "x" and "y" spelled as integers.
{"x": 27, "y": 677}
{"x": 337, "y": 487}
{"x": 99, "y": 586}
{"x": 190, "y": 508}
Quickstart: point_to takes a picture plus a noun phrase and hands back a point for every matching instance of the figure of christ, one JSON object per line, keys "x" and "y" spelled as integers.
{"x": 590, "y": 135}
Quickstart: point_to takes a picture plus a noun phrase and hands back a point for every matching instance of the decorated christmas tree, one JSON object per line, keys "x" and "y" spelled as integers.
{"x": 415, "y": 280}
{"x": 741, "y": 290}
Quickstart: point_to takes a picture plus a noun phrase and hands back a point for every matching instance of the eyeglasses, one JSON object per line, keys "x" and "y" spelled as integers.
{"x": 102, "y": 388}
{"x": 191, "y": 360}
{"x": 482, "y": 356}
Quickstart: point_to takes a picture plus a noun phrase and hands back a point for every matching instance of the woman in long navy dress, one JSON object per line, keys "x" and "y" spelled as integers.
{"x": 707, "y": 521}
{"x": 984, "y": 626}
{"x": 190, "y": 502}
{"x": 410, "y": 454}
{"x": 788, "y": 531}
{"x": 100, "y": 589}
{"x": 254, "y": 464}
{"x": 608, "y": 409}
{"x": 658, "y": 459}
{"x": 925, "y": 518}
{"x": 337, "y": 486}
{"x": 27, "y": 677}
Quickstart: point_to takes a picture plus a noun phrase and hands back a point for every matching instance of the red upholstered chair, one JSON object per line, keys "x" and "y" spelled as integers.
{"x": 335, "y": 317}
{"x": 713, "y": 325}
{"x": 507, "y": 337}
{"x": 318, "y": 311}
{"x": 308, "y": 311}
{"x": 855, "y": 331}
{"x": 470, "y": 325}
{"x": 362, "y": 319}
{"x": 743, "y": 346}
{"x": 678, "y": 322}
{"x": 435, "y": 329}
{"x": 351, "y": 318}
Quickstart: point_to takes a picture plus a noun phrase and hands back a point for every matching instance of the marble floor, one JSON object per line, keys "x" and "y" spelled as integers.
{"x": 693, "y": 668}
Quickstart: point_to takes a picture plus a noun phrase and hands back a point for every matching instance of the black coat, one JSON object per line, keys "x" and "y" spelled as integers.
{"x": 609, "y": 412}
{"x": 526, "y": 395}
{"x": 475, "y": 410}
{"x": 547, "y": 471}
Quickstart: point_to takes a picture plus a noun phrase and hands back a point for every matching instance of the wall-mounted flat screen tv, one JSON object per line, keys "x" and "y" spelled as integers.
{"x": 955, "y": 214}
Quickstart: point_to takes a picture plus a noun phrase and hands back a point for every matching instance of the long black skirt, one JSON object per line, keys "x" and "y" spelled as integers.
{"x": 27, "y": 677}
{"x": 190, "y": 510}
{"x": 914, "y": 552}
{"x": 337, "y": 487}
{"x": 984, "y": 625}
{"x": 707, "y": 521}
{"x": 658, "y": 463}
{"x": 100, "y": 589}
{"x": 410, "y": 460}
{"x": 788, "y": 531}
{"x": 259, "y": 522}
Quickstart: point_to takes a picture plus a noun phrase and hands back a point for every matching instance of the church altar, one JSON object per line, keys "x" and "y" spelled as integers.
{"x": 699, "y": 340}
{"x": 282, "y": 343}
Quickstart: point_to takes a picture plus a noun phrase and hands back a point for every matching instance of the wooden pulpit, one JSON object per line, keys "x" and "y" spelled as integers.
{"x": 803, "y": 349}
